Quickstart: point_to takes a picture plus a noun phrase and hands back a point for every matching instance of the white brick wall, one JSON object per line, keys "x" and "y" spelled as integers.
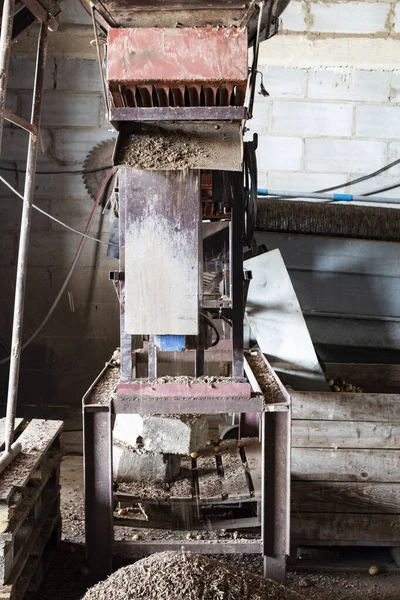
{"x": 349, "y": 17}
{"x": 280, "y": 153}
{"x": 304, "y": 182}
{"x": 380, "y": 122}
{"x": 334, "y": 156}
{"x": 312, "y": 118}
{"x": 284, "y": 82}
{"x": 349, "y": 84}
{"x": 397, "y": 18}
{"x": 293, "y": 19}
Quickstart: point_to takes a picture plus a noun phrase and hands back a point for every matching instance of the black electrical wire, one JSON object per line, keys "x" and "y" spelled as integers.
{"x": 218, "y": 337}
{"x": 99, "y": 169}
{"x": 385, "y": 189}
{"x": 363, "y": 178}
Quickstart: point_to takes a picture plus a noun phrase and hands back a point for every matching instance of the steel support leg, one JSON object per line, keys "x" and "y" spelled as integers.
{"x": 236, "y": 257}
{"x": 152, "y": 358}
{"x": 275, "y": 522}
{"x": 126, "y": 339}
{"x": 7, "y": 20}
{"x": 22, "y": 267}
{"x": 99, "y": 524}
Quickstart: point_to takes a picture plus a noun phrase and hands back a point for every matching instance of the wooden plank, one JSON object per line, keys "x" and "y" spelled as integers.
{"x": 35, "y": 441}
{"x": 320, "y": 527}
{"x": 339, "y": 497}
{"x": 339, "y": 406}
{"x": 345, "y": 434}
{"x": 162, "y": 250}
{"x": 314, "y": 464}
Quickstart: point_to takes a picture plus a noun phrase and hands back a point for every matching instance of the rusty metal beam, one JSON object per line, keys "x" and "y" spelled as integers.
{"x": 42, "y": 15}
{"x": 19, "y": 121}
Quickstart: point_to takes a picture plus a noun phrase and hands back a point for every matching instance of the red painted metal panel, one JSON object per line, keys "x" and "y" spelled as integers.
{"x": 151, "y": 55}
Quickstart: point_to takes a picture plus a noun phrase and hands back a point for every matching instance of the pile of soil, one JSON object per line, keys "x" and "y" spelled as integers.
{"x": 162, "y": 151}
{"x": 186, "y": 576}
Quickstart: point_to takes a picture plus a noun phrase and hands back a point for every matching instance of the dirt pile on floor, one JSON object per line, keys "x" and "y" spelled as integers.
{"x": 186, "y": 576}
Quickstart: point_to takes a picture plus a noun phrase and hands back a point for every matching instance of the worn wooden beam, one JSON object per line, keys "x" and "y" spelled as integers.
{"x": 345, "y": 434}
{"x": 339, "y": 497}
{"x": 316, "y": 464}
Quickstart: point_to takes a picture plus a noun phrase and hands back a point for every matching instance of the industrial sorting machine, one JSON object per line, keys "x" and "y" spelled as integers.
{"x": 179, "y": 90}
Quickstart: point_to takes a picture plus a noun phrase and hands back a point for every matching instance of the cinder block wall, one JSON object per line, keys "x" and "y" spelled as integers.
{"x": 334, "y": 107}
{"x": 61, "y": 363}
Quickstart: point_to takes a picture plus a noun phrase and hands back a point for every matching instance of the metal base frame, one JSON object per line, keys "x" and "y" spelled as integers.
{"x": 275, "y": 501}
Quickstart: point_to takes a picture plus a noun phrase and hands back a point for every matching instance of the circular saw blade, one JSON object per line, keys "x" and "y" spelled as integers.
{"x": 97, "y": 163}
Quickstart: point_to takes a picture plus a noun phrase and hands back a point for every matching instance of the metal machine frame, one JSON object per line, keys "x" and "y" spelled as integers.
{"x": 232, "y": 395}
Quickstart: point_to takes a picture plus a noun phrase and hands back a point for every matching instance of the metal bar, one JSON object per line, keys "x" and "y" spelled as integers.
{"x": 22, "y": 267}
{"x": 5, "y": 50}
{"x": 99, "y": 60}
{"x": 152, "y": 364}
{"x": 99, "y": 526}
{"x": 126, "y": 339}
{"x": 236, "y": 259}
{"x": 199, "y": 363}
{"x": 331, "y": 197}
{"x": 275, "y": 505}
{"x": 19, "y": 121}
{"x": 203, "y": 113}
{"x": 256, "y": 49}
{"x": 126, "y": 404}
{"x": 41, "y": 14}
{"x": 207, "y": 547}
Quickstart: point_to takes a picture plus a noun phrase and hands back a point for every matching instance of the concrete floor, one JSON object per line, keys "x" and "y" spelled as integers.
{"x": 68, "y": 578}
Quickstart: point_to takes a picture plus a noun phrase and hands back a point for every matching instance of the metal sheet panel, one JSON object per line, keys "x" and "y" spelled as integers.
{"x": 276, "y": 319}
{"x": 161, "y": 251}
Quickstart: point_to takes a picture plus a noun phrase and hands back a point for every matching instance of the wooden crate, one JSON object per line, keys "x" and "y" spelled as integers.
{"x": 345, "y": 469}
{"x": 29, "y": 506}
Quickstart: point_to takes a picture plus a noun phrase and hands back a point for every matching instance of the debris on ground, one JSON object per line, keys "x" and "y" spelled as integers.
{"x": 181, "y": 575}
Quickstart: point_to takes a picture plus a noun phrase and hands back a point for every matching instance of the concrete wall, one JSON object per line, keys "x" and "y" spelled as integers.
{"x": 59, "y": 366}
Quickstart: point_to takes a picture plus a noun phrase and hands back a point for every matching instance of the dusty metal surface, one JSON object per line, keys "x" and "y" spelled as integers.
{"x": 178, "y": 113}
{"x": 161, "y": 13}
{"x": 172, "y": 398}
{"x": 172, "y": 146}
{"x": 161, "y": 270}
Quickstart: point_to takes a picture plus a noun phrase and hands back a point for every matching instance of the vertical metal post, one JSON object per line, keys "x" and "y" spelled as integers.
{"x": 23, "y": 250}
{"x": 199, "y": 364}
{"x": 152, "y": 358}
{"x": 126, "y": 339}
{"x": 275, "y": 504}
{"x": 7, "y": 21}
{"x": 99, "y": 522}
{"x": 236, "y": 259}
